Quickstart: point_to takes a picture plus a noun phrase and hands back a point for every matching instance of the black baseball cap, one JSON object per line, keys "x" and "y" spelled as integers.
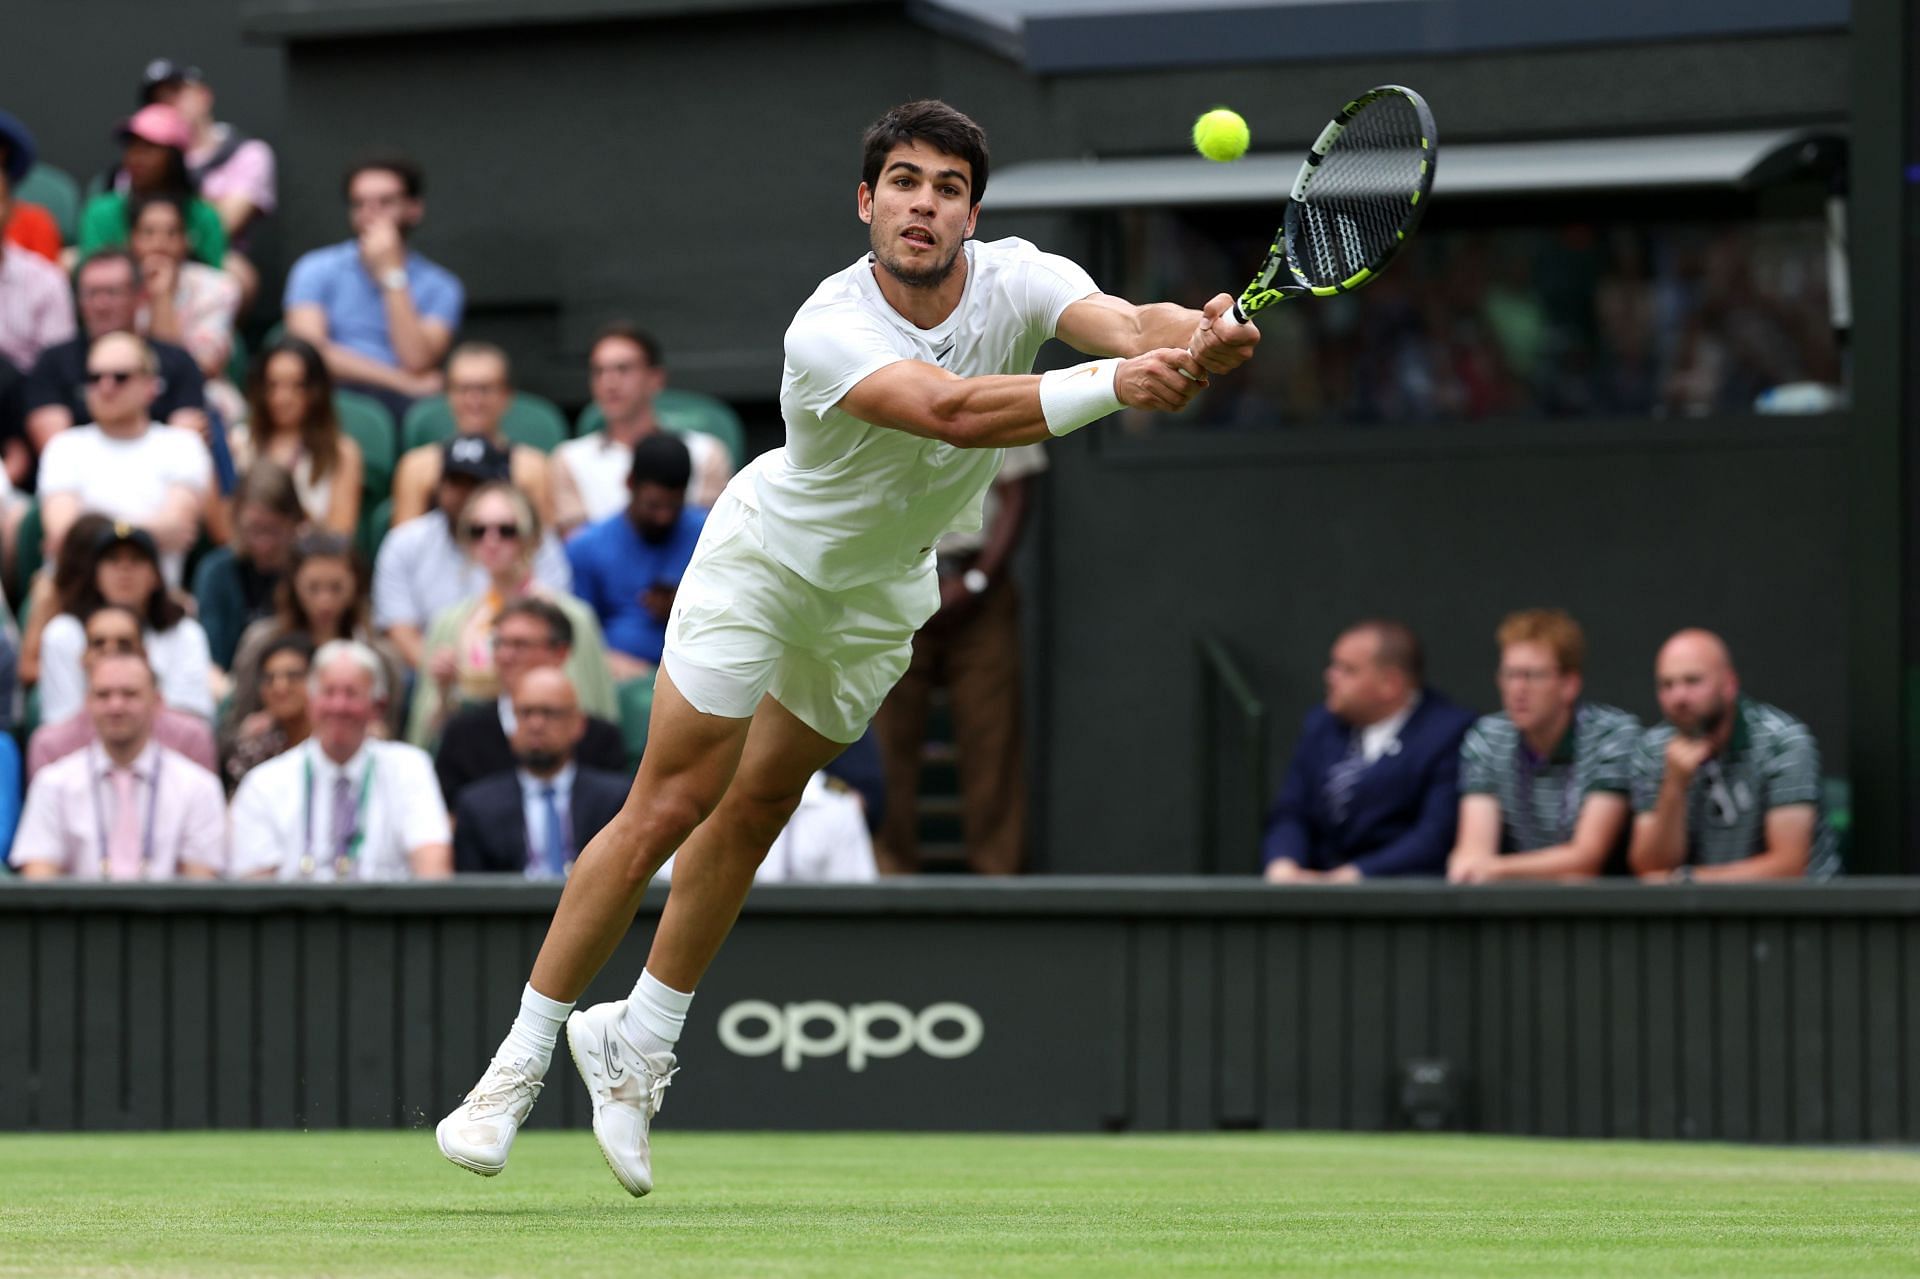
{"x": 474, "y": 457}
{"x": 165, "y": 71}
{"x": 123, "y": 534}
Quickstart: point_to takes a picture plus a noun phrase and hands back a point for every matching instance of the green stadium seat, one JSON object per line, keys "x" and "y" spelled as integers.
{"x": 636, "y": 712}
{"x": 530, "y": 420}
{"x": 54, "y": 190}
{"x": 371, "y": 426}
{"x": 29, "y": 553}
{"x": 375, "y": 519}
{"x": 682, "y": 411}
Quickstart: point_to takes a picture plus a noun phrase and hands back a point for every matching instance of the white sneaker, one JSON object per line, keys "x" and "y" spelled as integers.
{"x": 480, "y": 1131}
{"x": 627, "y": 1088}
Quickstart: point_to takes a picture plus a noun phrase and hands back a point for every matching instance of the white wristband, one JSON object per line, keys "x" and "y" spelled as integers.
{"x": 1071, "y": 398}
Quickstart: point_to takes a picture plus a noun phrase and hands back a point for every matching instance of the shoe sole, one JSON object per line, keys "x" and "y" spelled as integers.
{"x": 484, "y": 1170}
{"x": 579, "y": 1064}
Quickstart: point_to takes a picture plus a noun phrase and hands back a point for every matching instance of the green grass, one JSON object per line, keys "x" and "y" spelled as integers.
{"x": 209, "y": 1204}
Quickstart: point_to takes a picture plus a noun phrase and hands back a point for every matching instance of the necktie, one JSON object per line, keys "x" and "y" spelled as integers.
{"x": 556, "y": 834}
{"x": 343, "y": 822}
{"x": 123, "y": 841}
{"x": 1341, "y": 779}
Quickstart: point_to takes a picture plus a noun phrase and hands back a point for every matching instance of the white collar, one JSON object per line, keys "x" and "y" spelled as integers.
{"x": 323, "y": 765}
{"x": 561, "y": 781}
{"x": 508, "y": 720}
{"x": 1383, "y": 738}
{"x": 143, "y": 763}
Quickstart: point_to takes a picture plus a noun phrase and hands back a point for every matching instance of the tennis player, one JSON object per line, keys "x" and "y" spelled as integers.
{"x": 906, "y": 375}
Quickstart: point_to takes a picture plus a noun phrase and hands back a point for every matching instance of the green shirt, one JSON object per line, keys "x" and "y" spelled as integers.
{"x": 1540, "y": 799}
{"x": 103, "y": 225}
{"x": 1771, "y": 761}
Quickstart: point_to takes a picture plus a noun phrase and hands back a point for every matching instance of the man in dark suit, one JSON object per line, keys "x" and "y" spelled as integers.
{"x": 535, "y": 819}
{"x": 1373, "y": 788}
{"x": 529, "y": 634}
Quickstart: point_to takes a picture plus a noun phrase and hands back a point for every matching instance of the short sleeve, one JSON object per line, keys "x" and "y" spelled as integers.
{"x": 831, "y": 351}
{"x": 250, "y": 173}
{"x": 1053, "y": 284}
{"x": 186, "y": 461}
{"x": 203, "y": 837}
{"x": 205, "y": 233}
{"x": 1476, "y": 763}
{"x": 1613, "y": 761}
{"x": 392, "y": 605}
{"x": 61, "y": 466}
{"x": 423, "y": 817}
{"x": 103, "y": 223}
{"x": 440, "y": 296}
{"x": 253, "y": 842}
{"x": 1649, "y": 764}
{"x": 37, "y": 839}
{"x": 1792, "y": 769}
{"x": 185, "y": 667}
{"x": 307, "y": 282}
{"x": 62, "y": 683}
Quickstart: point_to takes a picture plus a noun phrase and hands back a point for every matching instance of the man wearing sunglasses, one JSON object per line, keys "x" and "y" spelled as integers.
{"x": 1727, "y": 788}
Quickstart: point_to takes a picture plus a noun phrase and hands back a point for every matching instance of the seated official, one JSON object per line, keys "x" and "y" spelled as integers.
{"x": 1371, "y": 791}
{"x": 535, "y": 819}
{"x": 113, "y": 630}
{"x": 1544, "y": 784}
{"x": 126, "y": 807}
{"x": 1727, "y": 788}
{"x": 344, "y": 806}
{"x": 628, "y": 568}
{"x": 530, "y": 633}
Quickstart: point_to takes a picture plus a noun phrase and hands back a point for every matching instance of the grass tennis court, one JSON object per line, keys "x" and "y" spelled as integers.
{"x": 738, "y": 1204}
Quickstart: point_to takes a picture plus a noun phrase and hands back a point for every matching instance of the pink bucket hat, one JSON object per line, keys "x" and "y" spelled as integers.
{"x": 159, "y": 124}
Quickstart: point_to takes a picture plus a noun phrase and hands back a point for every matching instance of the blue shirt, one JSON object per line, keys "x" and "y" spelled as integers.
{"x": 613, "y": 569}
{"x": 533, "y": 809}
{"x": 336, "y": 280}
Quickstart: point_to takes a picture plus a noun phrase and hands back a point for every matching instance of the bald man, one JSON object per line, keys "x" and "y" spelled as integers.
{"x": 1727, "y": 788}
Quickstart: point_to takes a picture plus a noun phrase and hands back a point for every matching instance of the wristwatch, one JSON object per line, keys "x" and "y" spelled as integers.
{"x": 394, "y": 278}
{"x": 975, "y": 580}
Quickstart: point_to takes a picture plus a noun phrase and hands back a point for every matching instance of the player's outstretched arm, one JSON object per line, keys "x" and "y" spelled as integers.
{"x": 1003, "y": 410}
{"x": 1102, "y": 324}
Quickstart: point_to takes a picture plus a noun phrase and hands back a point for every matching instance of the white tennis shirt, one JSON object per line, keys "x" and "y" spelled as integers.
{"x": 846, "y": 503}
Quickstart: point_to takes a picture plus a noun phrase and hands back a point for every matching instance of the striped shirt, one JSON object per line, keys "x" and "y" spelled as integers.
{"x": 1770, "y": 762}
{"x": 1540, "y": 799}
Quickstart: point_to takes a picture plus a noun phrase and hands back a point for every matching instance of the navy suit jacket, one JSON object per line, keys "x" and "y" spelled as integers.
{"x": 490, "y": 829}
{"x": 1401, "y": 815}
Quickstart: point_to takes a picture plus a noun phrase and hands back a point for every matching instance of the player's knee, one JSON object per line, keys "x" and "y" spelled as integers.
{"x": 756, "y": 821}
{"x": 657, "y": 824}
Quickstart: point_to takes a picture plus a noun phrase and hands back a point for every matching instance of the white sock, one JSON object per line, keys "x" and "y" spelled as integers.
{"x": 655, "y": 1014}
{"x": 534, "y": 1031}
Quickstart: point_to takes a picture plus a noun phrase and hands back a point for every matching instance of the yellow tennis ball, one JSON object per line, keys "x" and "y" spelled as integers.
{"x": 1220, "y": 135}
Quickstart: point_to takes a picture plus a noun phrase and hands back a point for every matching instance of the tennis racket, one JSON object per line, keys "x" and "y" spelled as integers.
{"x": 1358, "y": 196}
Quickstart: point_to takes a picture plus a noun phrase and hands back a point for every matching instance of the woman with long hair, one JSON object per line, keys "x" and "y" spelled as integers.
{"x": 282, "y": 722}
{"x": 500, "y": 532}
{"x": 324, "y": 596}
{"x": 124, "y": 570}
{"x": 291, "y": 421}
{"x": 71, "y": 568}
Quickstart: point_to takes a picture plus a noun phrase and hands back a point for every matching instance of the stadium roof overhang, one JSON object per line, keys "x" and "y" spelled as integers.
{"x": 1697, "y": 160}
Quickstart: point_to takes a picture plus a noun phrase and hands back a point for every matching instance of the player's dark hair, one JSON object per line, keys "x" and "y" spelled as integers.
{"x": 559, "y": 629}
{"x": 1398, "y": 646}
{"x": 661, "y": 459}
{"x": 628, "y": 331}
{"x": 934, "y": 123}
{"x": 400, "y": 166}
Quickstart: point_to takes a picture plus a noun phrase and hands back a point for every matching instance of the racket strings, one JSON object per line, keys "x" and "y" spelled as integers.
{"x": 1362, "y": 194}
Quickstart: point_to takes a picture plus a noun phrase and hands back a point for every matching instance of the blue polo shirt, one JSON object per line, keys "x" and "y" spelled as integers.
{"x": 336, "y": 280}
{"x": 613, "y": 569}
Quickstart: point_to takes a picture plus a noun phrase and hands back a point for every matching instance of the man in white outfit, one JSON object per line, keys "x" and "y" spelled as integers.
{"x": 906, "y": 376}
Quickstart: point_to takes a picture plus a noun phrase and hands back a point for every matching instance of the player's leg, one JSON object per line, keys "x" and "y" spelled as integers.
{"x": 983, "y": 685}
{"x": 902, "y": 729}
{"x": 625, "y": 1049}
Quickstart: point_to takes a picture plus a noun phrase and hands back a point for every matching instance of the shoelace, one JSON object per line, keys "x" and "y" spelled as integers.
{"x": 498, "y": 1089}
{"x": 657, "y": 1089}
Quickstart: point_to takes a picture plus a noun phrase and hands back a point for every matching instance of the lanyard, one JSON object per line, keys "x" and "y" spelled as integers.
{"x": 343, "y": 865}
{"x": 100, "y": 820}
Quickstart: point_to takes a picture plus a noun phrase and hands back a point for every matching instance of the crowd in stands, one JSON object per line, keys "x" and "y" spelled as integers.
{"x": 321, "y": 613}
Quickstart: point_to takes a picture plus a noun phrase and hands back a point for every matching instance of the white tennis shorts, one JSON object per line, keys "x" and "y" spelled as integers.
{"x": 745, "y": 625}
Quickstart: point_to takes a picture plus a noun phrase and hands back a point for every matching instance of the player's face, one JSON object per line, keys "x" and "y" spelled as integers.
{"x": 919, "y": 213}
{"x": 1534, "y": 691}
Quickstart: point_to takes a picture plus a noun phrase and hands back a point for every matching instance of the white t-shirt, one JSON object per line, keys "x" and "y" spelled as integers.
{"x": 283, "y": 813}
{"x": 846, "y": 503}
{"x": 127, "y": 480}
{"x": 600, "y": 466}
{"x": 182, "y": 666}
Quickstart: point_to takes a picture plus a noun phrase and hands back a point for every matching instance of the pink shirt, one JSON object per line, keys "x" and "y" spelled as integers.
{"x": 72, "y": 805}
{"x": 36, "y": 307}
{"x": 248, "y": 172}
{"x": 179, "y": 731}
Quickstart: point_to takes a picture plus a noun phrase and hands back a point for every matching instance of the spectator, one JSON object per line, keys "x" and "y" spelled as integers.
{"x": 535, "y": 819}
{"x": 186, "y": 303}
{"x": 1727, "y": 788}
{"x": 126, "y": 465}
{"x": 126, "y": 807}
{"x": 235, "y": 584}
{"x": 115, "y": 631}
{"x": 624, "y": 374}
{"x": 36, "y": 310}
{"x": 380, "y": 314}
{"x": 1544, "y": 784}
{"x": 282, "y": 722}
{"x": 1371, "y": 791}
{"x": 628, "y": 567}
{"x": 479, "y": 391}
{"x": 530, "y": 634}
{"x": 498, "y": 531}
{"x": 323, "y": 597}
{"x": 972, "y": 648}
{"x": 153, "y": 161}
{"x": 31, "y": 227}
{"x": 421, "y": 570}
{"x": 235, "y": 173}
{"x": 291, "y": 419}
{"x": 49, "y": 589}
{"x": 825, "y": 841}
{"x": 56, "y": 396}
{"x": 343, "y": 806}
